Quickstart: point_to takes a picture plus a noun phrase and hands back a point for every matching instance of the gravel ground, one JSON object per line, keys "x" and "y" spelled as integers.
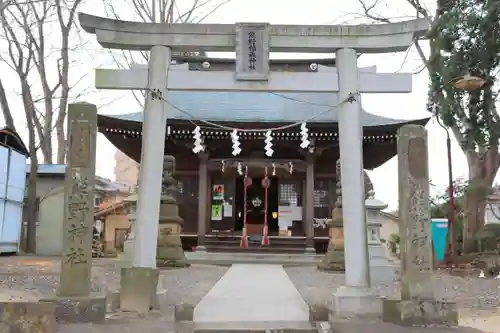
{"x": 32, "y": 278}
{"x": 469, "y": 293}
{"x": 477, "y": 299}
{"x": 25, "y": 278}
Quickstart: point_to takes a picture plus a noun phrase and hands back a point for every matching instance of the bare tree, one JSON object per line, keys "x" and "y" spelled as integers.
{"x": 464, "y": 41}
{"x": 157, "y": 11}
{"x": 36, "y": 35}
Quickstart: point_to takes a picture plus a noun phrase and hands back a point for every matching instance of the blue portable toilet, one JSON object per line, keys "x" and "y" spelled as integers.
{"x": 439, "y": 232}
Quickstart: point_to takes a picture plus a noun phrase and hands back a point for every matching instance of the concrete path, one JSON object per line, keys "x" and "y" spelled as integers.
{"x": 252, "y": 293}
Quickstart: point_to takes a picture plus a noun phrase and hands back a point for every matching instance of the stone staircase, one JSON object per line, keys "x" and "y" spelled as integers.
{"x": 217, "y": 243}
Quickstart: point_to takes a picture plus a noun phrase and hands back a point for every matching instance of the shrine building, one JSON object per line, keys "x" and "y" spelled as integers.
{"x": 301, "y": 193}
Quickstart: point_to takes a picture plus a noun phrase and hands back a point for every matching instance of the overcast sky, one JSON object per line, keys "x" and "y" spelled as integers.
{"x": 399, "y": 106}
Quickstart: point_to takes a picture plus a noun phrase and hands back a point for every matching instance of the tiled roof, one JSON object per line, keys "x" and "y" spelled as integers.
{"x": 257, "y": 107}
{"x": 49, "y": 169}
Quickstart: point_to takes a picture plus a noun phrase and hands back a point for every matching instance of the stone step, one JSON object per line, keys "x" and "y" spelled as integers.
{"x": 257, "y": 327}
{"x": 253, "y": 249}
{"x": 230, "y": 258}
{"x": 272, "y": 242}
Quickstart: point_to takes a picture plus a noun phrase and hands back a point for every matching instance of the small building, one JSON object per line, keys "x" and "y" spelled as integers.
{"x": 291, "y": 211}
{"x": 114, "y": 218}
{"x": 13, "y": 154}
{"x": 49, "y": 208}
{"x": 50, "y": 205}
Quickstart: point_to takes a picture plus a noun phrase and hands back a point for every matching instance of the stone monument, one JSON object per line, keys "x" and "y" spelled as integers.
{"x": 334, "y": 257}
{"x": 169, "y": 249}
{"x": 381, "y": 269}
{"x": 127, "y": 256}
{"x": 417, "y": 305}
{"x": 75, "y": 302}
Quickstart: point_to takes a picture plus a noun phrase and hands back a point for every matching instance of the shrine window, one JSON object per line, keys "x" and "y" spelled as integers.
{"x": 289, "y": 195}
{"x": 323, "y": 193}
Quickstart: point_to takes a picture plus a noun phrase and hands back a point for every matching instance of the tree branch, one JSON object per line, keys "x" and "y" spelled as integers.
{"x": 4, "y": 104}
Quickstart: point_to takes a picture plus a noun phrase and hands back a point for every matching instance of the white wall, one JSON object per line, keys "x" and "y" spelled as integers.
{"x": 49, "y": 231}
{"x": 492, "y": 213}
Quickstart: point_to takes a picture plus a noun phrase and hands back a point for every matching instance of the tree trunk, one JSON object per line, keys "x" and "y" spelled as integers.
{"x": 31, "y": 207}
{"x": 482, "y": 172}
{"x": 4, "y": 105}
{"x": 31, "y": 199}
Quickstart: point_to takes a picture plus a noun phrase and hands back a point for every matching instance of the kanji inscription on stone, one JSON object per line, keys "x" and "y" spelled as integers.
{"x": 76, "y": 261}
{"x": 414, "y": 213}
{"x": 252, "y": 51}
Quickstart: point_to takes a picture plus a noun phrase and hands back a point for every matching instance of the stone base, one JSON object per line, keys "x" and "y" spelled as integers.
{"x": 162, "y": 263}
{"x": 138, "y": 289}
{"x": 318, "y": 313}
{"x": 169, "y": 252}
{"x": 79, "y": 309}
{"x": 127, "y": 256}
{"x": 183, "y": 312}
{"x": 386, "y": 273}
{"x": 27, "y": 317}
{"x": 333, "y": 261}
{"x": 420, "y": 312}
{"x": 356, "y": 302}
{"x": 157, "y": 303}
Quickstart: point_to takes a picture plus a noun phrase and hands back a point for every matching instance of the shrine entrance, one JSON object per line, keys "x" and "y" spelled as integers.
{"x": 256, "y": 206}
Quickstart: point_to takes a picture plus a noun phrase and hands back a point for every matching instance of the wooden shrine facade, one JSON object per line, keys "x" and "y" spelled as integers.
{"x": 300, "y": 200}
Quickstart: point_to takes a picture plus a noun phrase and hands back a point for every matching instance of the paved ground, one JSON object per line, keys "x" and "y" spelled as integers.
{"x": 478, "y": 299}
{"x": 252, "y": 293}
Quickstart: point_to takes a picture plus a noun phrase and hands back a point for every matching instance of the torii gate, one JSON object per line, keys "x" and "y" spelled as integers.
{"x": 253, "y": 42}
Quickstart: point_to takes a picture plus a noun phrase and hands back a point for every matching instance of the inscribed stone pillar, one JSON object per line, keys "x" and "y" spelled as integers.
{"x": 76, "y": 261}
{"x": 169, "y": 252}
{"x": 309, "y": 206}
{"x": 417, "y": 305}
{"x": 414, "y": 210}
{"x": 202, "y": 201}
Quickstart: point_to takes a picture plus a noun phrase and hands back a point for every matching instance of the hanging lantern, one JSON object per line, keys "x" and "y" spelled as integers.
{"x": 248, "y": 181}
{"x": 468, "y": 82}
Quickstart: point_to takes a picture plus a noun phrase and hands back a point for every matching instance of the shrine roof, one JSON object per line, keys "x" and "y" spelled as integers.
{"x": 258, "y": 107}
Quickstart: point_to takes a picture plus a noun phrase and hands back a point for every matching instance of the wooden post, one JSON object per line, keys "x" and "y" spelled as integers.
{"x": 309, "y": 206}
{"x": 202, "y": 201}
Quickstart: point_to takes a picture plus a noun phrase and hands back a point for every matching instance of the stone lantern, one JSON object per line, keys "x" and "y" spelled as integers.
{"x": 334, "y": 257}
{"x": 128, "y": 246}
{"x": 381, "y": 268}
{"x": 169, "y": 249}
